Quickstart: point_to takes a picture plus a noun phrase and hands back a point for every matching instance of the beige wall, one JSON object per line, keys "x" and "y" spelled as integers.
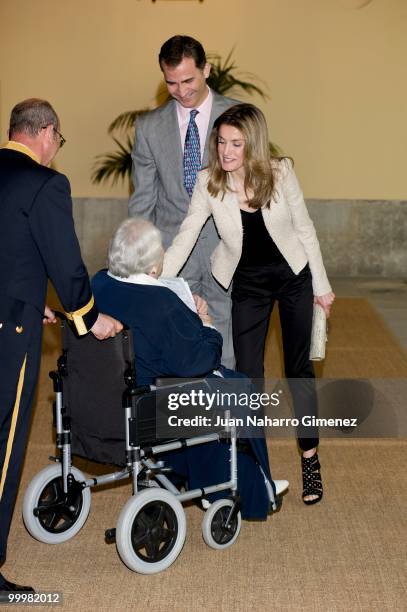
{"x": 336, "y": 77}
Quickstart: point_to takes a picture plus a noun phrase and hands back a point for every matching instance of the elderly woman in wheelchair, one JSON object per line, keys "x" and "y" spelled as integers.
{"x": 169, "y": 335}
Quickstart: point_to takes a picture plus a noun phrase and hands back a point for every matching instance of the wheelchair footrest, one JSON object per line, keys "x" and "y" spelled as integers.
{"x": 159, "y": 470}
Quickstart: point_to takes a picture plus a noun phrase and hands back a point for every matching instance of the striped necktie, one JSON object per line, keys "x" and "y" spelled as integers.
{"x": 192, "y": 154}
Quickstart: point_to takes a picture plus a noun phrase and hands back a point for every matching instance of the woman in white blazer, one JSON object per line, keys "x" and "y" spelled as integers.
{"x": 270, "y": 250}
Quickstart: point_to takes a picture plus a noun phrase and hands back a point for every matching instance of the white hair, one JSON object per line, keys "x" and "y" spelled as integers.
{"x": 136, "y": 247}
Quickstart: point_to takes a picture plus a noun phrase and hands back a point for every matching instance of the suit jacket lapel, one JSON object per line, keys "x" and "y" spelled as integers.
{"x": 170, "y": 140}
{"x": 272, "y": 217}
{"x": 229, "y": 207}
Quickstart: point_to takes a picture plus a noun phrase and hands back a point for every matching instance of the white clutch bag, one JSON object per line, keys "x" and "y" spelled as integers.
{"x": 319, "y": 336}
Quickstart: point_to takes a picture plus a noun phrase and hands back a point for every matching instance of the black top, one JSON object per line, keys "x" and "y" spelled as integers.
{"x": 258, "y": 246}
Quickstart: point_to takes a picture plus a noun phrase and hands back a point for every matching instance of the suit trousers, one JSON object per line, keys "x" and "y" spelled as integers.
{"x": 197, "y": 272}
{"x": 20, "y": 354}
{"x": 255, "y": 290}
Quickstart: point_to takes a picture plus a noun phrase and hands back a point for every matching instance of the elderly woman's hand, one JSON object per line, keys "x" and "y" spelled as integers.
{"x": 325, "y": 301}
{"x": 201, "y": 305}
{"x": 206, "y": 319}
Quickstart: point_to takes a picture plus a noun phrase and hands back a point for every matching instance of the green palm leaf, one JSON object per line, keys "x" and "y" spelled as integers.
{"x": 114, "y": 166}
{"x": 222, "y": 80}
{"x": 125, "y": 121}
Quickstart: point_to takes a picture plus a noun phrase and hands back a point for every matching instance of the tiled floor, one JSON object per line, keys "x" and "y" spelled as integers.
{"x": 388, "y": 296}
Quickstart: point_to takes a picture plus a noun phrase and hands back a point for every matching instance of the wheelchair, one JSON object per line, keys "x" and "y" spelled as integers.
{"x": 93, "y": 382}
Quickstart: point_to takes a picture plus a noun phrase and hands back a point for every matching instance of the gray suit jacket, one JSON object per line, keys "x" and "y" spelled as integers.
{"x": 159, "y": 194}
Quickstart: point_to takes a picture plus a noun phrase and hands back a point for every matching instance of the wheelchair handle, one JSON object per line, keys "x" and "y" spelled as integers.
{"x": 60, "y": 315}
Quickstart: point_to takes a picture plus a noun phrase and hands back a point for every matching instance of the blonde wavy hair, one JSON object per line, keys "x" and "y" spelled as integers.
{"x": 260, "y": 171}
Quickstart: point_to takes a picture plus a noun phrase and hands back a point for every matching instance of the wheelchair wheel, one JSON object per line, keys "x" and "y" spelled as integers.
{"x": 214, "y": 530}
{"x": 49, "y": 514}
{"x": 151, "y": 530}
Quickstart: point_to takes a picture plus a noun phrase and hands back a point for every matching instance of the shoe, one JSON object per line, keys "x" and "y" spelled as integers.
{"x": 205, "y": 503}
{"x": 281, "y": 486}
{"x": 311, "y": 479}
{"x": 5, "y": 585}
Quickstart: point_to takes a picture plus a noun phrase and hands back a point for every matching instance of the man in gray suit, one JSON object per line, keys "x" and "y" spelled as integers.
{"x": 171, "y": 146}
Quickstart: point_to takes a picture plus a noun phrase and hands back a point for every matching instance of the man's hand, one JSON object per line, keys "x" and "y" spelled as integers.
{"x": 201, "y": 304}
{"x": 106, "y": 327}
{"x": 49, "y": 316}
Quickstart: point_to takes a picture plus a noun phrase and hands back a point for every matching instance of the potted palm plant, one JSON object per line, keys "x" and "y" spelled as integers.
{"x": 224, "y": 78}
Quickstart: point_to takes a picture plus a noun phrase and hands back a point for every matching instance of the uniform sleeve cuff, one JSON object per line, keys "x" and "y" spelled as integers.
{"x": 84, "y": 318}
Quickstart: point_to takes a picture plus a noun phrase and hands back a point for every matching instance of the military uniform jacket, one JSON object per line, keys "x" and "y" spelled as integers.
{"x": 38, "y": 240}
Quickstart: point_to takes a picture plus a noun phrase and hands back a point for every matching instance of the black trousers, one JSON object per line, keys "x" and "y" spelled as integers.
{"x": 20, "y": 353}
{"x": 255, "y": 290}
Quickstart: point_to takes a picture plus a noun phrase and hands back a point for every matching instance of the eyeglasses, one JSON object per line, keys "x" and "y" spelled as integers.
{"x": 62, "y": 140}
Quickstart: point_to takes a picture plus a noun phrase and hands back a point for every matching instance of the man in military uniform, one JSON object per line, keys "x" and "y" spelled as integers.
{"x": 37, "y": 242}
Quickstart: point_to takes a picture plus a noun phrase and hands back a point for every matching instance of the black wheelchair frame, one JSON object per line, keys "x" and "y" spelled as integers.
{"x": 151, "y": 528}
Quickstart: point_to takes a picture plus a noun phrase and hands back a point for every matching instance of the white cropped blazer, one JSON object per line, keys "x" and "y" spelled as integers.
{"x": 287, "y": 221}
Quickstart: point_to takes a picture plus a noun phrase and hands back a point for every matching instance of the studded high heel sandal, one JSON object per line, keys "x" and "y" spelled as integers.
{"x": 311, "y": 479}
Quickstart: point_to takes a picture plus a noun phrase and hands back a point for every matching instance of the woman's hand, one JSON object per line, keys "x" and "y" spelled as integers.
{"x": 201, "y": 305}
{"x": 206, "y": 319}
{"x": 325, "y": 301}
{"x": 202, "y": 309}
